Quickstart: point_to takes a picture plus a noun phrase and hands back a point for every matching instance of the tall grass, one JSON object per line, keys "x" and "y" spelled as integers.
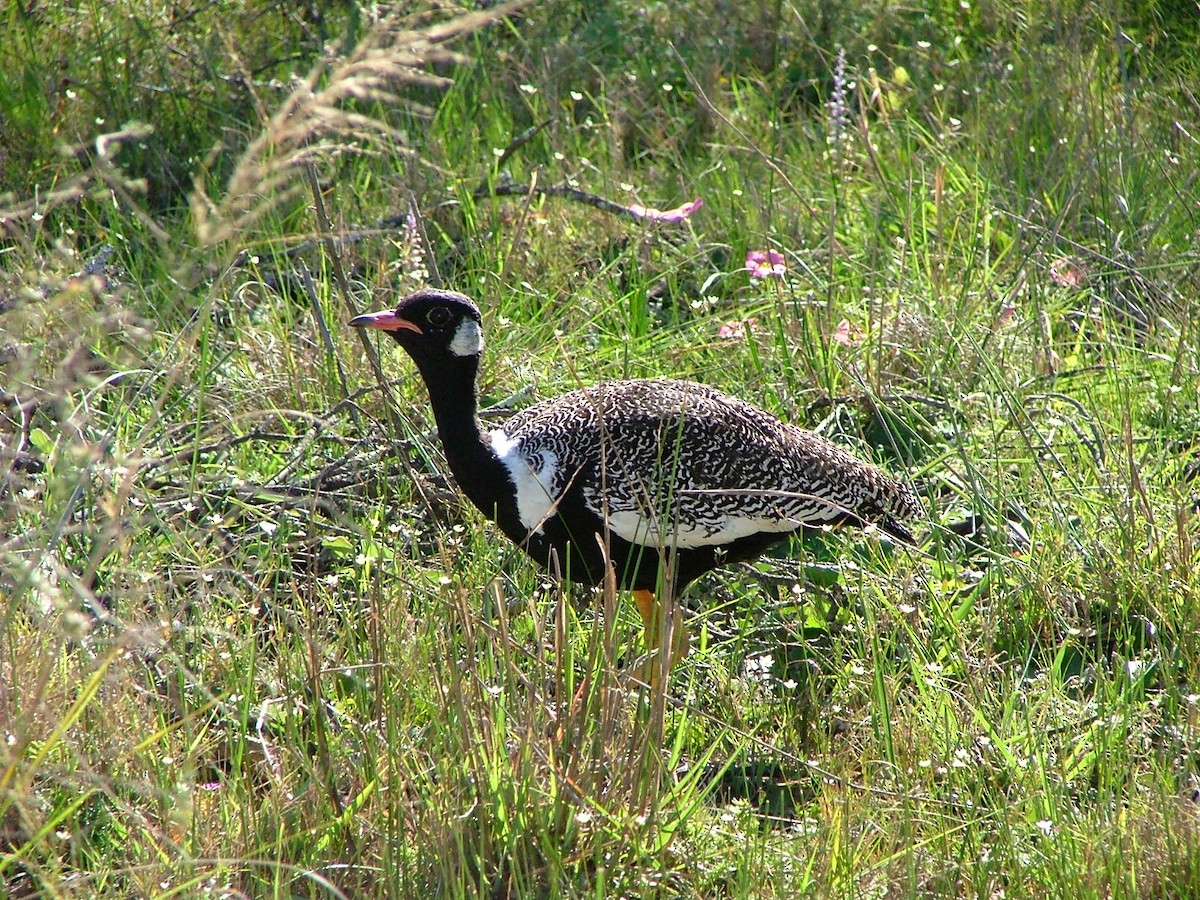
{"x": 254, "y": 643}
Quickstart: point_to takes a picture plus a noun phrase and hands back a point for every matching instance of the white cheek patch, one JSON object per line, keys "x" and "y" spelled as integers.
{"x": 468, "y": 339}
{"x": 533, "y": 478}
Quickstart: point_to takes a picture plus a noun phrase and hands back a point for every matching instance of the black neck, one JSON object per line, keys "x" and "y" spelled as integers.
{"x": 477, "y": 469}
{"x": 452, "y": 394}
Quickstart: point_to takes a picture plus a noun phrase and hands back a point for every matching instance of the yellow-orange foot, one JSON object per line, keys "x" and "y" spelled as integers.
{"x": 652, "y": 624}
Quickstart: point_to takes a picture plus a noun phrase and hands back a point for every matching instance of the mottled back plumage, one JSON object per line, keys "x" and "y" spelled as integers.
{"x": 676, "y": 463}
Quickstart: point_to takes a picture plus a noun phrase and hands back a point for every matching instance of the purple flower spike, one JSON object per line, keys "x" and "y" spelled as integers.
{"x": 765, "y": 264}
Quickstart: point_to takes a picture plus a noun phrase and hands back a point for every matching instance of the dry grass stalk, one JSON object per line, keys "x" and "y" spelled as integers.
{"x": 99, "y": 154}
{"x": 316, "y": 123}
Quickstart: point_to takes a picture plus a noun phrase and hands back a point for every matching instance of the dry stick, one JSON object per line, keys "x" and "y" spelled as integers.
{"x": 518, "y": 142}
{"x": 339, "y": 274}
{"x": 150, "y": 463}
{"x": 325, "y": 228}
{"x": 319, "y": 317}
{"x": 314, "y": 434}
{"x": 346, "y": 238}
{"x": 509, "y": 188}
{"x": 518, "y": 231}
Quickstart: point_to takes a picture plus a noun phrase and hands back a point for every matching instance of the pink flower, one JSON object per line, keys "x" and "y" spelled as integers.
{"x": 847, "y": 334}
{"x": 735, "y": 331}
{"x": 1068, "y": 273}
{"x": 678, "y": 214}
{"x": 765, "y": 264}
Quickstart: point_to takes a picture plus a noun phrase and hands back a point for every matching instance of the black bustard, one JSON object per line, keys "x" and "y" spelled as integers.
{"x": 661, "y": 480}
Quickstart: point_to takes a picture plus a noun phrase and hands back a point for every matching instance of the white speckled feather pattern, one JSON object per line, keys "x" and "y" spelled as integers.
{"x": 679, "y": 464}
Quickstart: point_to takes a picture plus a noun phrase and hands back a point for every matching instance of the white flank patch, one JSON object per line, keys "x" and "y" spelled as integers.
{"x": 533, "y": 477}
{"x": 637, "y": 529}
{"x": 468, "y": 339}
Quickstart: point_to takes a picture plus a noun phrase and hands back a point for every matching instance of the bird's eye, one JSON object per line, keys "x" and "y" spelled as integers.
{"x": 438, "y": 316}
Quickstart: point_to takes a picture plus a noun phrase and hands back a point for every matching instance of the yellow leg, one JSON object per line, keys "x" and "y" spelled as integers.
{"x": 649, "y": 607}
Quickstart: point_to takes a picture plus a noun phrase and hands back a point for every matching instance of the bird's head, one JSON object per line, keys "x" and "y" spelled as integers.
{"x": 433, "y": 326}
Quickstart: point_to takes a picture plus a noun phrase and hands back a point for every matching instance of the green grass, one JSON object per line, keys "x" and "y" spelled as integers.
{"x": 253, "y": 643}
